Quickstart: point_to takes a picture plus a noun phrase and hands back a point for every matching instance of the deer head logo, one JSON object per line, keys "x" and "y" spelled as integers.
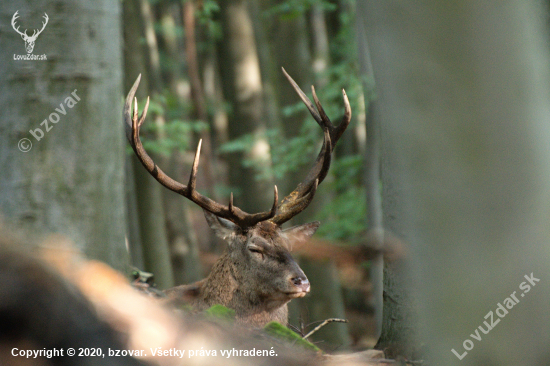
{"x": 29, "y": 40}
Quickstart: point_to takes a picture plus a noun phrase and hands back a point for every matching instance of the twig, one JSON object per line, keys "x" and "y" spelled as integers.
{"x": 331, "y": 320}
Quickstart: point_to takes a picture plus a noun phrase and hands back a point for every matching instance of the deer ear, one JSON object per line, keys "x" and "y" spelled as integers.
{"x": 303, "y": 232}
{"x": 222, "y": 227}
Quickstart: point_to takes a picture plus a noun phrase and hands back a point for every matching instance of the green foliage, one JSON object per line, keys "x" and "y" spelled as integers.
{"x": 290, "y": 154}
{"x": 241, "y": 144}
{"x": 287, "y": 154}
{"x": 206, "y": 17}
{"x": 344, "y": 217}
{"x": 174, "y": 133}
{"x": 244, "y": 144}
{"x": 279, "y": 331}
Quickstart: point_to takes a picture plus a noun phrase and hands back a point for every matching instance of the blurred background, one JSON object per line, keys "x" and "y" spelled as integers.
{"x": 444, "y": 169}
{"x": 213, "y": 71}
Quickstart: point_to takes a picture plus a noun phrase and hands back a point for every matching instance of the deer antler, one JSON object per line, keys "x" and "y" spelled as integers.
{"x": 15, "y": 16}
{"x": 291, "y": 205}
{"x": 230, "y": 212}
{"x": 35, "y": 34}
{"x": 302, "y": 196}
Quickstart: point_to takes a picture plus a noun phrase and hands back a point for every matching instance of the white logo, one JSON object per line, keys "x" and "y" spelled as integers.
{"x": 29, "y": 40}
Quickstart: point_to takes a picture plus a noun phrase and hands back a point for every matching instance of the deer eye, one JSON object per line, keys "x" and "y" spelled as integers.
{"x": 256, "y": 250}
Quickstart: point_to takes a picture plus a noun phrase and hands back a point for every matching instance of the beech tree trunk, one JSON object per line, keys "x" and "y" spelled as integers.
{"x": 463, "y": 90}
{"x": 372, "y": 176}
{"x": 242, "y": 86}
{"x": 154, "y": 240}
{"x": 71, "y": 180}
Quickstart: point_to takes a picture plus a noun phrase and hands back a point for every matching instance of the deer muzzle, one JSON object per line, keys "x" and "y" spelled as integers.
{"x": 301, "y": 286}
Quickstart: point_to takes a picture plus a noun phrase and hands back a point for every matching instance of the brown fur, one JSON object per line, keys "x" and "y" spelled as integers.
{"x": 256, "y": 276}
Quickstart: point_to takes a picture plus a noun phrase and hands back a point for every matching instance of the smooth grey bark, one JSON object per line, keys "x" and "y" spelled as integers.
{"x": 372, "y": 176}
{"x": 463, "y": 90}
{"x": 71, "y": 181}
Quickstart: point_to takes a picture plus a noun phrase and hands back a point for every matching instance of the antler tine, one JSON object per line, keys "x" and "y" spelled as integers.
{"x": 275, "y": 201}
{"x": 45, "y": 16}
{"x": 193, "y": 176}
{"x": 132, "y": 126}
{"x": 305, "y": 99}
{"x": 13, "y": 23}
{"x": 302, "y": 196}
{"x": 144, "y": 113}
{"x": 231, "y": 202}
{"x": 324, "y": 118}
{"x": 344, "y": 123}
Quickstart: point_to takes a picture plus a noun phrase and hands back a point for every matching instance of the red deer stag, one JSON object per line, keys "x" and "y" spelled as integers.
{"x": 256, "y": 276}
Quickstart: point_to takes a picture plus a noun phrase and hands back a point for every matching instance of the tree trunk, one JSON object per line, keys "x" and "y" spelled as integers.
{"x": 372, "y": 180}
{"x": 320, "y": 45}
{"x": 242, "y": 85}
{"x": 71, "y": 181}
{"x": 134, "y": 63}
{"x": 182, "y": 242}
{"x": 290, "y": 49}
{"x": 156, "y": 252}
{"x": 463, "y": 91}
{"x": 325, "y": 301}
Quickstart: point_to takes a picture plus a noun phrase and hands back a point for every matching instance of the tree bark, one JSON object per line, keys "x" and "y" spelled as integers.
{"x": 290, "y": 49}
{"x": 320, "y": 44}
{"x": 242, "y": 87}
{"x": 134, "y": 63}
{"x": 325, "y": 301}
{"x": 463, "y": 90}
{"x": 156, "y": 252}
{"x": 180, "y": 236}
{"x": 71, "y": 181}
{"x": 372, "y": 178}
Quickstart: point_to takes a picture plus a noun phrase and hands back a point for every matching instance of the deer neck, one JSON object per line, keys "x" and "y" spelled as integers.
{"x": 220, "y": 285}
{"x": 224, "y": 285}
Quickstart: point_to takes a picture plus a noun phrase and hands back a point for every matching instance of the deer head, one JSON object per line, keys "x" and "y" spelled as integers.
{"x": 256, "y": 276}
{"x": 29, "y": 40}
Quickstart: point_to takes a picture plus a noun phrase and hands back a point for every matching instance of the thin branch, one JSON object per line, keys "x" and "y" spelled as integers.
{"x": 331, "y": 320}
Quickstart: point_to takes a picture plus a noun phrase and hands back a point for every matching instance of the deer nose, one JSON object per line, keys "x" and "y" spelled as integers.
{"x": 301, "y": 282}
